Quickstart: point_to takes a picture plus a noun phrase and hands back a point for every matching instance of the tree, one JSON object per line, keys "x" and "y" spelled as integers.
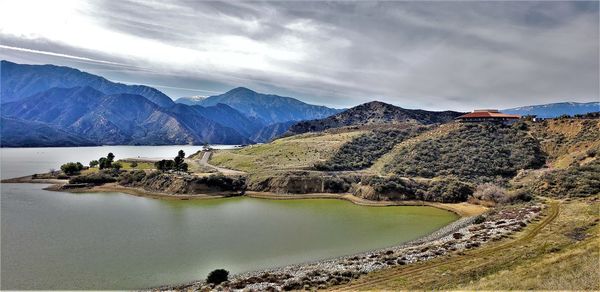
{"x": 94, "y": 163}
{"x": 133, "y": 164}
{"x": 179, "y": 160}
{"x": 109, "y": 159}
{"x": 217, "y": 276}
{"x": 71, "y": 168}
{"x": 102, "y": 163}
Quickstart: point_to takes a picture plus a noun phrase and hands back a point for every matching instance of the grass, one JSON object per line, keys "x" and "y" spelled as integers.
{"x": 556, "y": 254}
{"x": 295, "y": 152}
{"x": 126, "y": 166}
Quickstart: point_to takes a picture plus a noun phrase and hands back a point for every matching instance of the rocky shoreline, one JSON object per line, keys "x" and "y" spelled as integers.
{"x": 465, "y": 233}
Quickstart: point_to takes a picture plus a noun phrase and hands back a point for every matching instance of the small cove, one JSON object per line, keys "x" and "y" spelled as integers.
{"x": 56, "y": 240}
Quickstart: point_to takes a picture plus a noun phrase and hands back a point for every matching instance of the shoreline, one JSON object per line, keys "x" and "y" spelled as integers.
{"x": 463, "y": 209}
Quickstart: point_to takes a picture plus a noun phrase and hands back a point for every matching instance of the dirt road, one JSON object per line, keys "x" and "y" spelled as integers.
{"x": 226, "y": 171}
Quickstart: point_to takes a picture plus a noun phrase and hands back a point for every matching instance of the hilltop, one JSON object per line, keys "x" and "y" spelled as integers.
{"x": 374, "y": 113}
{"x": 268, "y": 108}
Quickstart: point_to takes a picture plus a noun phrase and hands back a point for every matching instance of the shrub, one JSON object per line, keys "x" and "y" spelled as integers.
{"x": 132, "y": 177}
{"x": 479, "y": 219}
{"x": 217, "y": 276}
{"x": 475, "y": 153}
{"x": 117, "y": 166}
{"x": 96, "y": 178}
{"x": 575, "y": 181}
{"x": 517, "y": 196}
{"x": 71, "y": 168}
{"x": 490, "y": 192}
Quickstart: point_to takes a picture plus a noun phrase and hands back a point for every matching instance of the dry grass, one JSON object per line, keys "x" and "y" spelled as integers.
{"x": 295, "y": 152}
{"x": 562, "y": 256}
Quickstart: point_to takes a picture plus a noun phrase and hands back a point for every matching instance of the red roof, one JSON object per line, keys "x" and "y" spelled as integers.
{"x": 479, "y": 114}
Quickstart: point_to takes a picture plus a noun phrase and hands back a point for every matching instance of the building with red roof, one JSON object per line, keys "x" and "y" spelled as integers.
{"x": 487, "y": 115}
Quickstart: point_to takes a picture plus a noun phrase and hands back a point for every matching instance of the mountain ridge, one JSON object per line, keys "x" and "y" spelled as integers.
{"x": 374, "y": 112}
{"x": 553, "y": 110}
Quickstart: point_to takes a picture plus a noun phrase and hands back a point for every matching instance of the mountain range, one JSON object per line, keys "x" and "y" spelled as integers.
{"x": 94, "y": 110}
{"x": 553, "y": 110}
{"x": 48, "y": 105}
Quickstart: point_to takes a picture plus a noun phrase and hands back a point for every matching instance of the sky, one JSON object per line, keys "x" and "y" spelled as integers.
{"x": 429, "y": 55}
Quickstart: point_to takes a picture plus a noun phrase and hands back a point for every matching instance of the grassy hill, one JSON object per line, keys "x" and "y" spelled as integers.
{"x": 290, "y": 153}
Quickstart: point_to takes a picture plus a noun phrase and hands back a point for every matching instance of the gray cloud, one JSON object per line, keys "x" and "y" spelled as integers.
{"x": 436, "y": 55}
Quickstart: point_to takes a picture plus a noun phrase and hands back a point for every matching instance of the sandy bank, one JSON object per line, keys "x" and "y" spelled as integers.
{"x": 462, "y": 209}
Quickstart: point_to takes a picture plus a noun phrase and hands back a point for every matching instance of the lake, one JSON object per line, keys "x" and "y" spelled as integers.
{"x": 55, "y": 240}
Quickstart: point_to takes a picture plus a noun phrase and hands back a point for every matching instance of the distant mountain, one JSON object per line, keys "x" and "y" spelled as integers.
{"x": 229, "y": 117}
{"x": 119, "y": 118}
{"x": 19, "y": 133}
{"x": 267, "y": 107}
{"x": 191, "y": 100}
{"x": 18, "y": 81}
{"x": 272, "y": 131}
{"x": 553, "y": 110}
{"x": 375, "y": 112}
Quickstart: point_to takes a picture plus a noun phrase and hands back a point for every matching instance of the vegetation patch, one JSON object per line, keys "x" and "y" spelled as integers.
{"x": 474, "y": 152}
{"x": 448, "y": 190}
{"x": 575, "y": 181}
{"x": 362, "y": 151}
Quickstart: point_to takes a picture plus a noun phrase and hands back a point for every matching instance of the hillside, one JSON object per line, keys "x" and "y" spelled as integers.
{"x": 118, "y": 118}
{"x": 567, "y": 140}
{"x": 473, "y": 152}
{"x": 272, "y": 131}
{"x": 553, "y": 110}
{"x": 268, "y": 107}
{"x": 374, "y": 113}
{"x": 290, "y": 153}
{"x": 19, "y": 133}
{"x": 19, "y": 81}
{"x": 228, "y": 117}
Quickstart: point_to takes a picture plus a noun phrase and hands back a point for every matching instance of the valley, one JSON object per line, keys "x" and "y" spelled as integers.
{"x": 489, "y": 199}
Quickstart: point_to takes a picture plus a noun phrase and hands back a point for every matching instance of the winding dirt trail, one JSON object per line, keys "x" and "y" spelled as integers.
{"x": 226, "y": 171}
{"x": 393, "y": 273}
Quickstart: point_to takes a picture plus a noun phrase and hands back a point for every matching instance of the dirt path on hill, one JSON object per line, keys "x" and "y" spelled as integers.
{"x": 394, "y": 273}
{"x": 226, "y": 171}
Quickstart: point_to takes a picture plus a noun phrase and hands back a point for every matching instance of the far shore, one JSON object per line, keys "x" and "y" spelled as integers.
{"x": 462, "y": 209}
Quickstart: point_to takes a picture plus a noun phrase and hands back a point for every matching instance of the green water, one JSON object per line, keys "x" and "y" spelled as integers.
{"x": 53, "y": 240}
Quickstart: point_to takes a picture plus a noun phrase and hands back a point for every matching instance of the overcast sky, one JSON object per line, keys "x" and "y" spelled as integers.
{"x": 431, "y": 55}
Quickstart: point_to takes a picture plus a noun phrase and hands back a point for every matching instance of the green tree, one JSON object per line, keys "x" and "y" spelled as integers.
{"x": 133, "y": 164}
{"x": 102, "y": 163}
{"x": 179, "y": 160}
{"x": 71, "y": 168}
{"x": 217, "y": 276}
{"x": 94, "y": 163}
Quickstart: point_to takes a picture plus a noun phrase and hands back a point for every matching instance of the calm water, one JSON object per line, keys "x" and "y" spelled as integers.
{"x": 53, "y": 240}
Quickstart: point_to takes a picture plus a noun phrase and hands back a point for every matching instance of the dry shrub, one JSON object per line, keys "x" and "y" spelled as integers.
{"x": 491, "y": 193}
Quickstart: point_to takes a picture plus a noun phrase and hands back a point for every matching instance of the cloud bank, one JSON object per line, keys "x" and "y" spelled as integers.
{"x": 434, "y": 55}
